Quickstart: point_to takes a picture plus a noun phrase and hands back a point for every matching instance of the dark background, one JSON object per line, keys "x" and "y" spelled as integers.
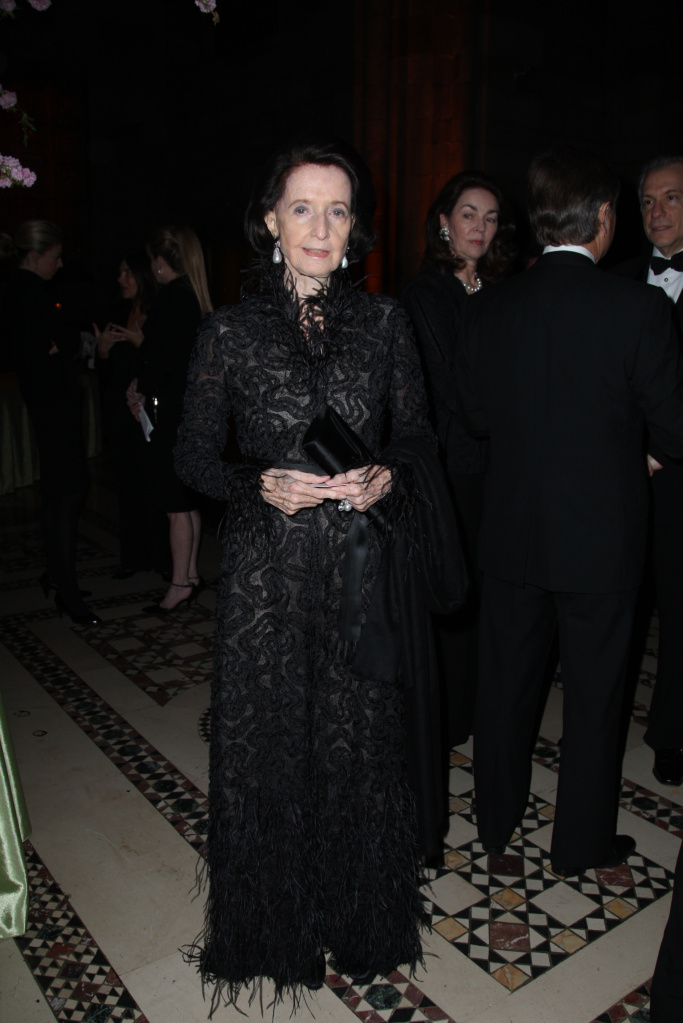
{"x": 147, "y": 113}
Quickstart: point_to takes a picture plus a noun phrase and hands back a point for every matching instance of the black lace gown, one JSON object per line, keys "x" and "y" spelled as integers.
{"x": 312, "y": 839}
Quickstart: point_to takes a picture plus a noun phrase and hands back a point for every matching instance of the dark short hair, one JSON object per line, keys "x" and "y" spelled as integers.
{"x": 655, "y": 164}
{"x": 567, "y": 188}
{"x": 270, "y": 185}
{"x": 499, "y": 259}
{"x": 137, "y": 261}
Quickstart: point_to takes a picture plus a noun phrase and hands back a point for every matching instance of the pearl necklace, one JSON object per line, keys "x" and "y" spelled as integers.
{"x": 469, "y": 288}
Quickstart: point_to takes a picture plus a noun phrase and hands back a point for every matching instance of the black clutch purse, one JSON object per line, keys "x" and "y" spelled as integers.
{"x": 335, "y": 447}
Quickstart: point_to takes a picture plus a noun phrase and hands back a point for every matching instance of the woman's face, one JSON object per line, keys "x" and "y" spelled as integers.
{"x": 472, "y": 223}
{"x": 127, "y": 282}
{"x": 313, "y": 221}
{"x": 46, "y": 264}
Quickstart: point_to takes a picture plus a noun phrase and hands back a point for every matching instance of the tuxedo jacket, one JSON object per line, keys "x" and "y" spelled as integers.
{"x": 667, "y": 485}
{"x": 562, "y": 366}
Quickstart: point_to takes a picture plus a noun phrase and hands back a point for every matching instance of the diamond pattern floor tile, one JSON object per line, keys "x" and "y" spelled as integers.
{"x": 76, "y": 978}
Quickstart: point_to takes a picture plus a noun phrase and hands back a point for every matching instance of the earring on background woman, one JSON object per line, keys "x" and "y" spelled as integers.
{"x": 277, "y": 254}
{"x": 445, "y": 234}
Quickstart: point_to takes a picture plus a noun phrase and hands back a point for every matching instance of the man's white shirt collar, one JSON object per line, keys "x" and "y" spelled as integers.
{"x": 582, "y": 251}
{"x": 671, "y": 281}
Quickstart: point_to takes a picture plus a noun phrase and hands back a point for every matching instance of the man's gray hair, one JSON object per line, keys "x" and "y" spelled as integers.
{"x": 655, "y": 164}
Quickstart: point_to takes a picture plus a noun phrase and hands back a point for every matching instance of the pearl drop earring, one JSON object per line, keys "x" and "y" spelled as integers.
{"x": 277, "y": 254}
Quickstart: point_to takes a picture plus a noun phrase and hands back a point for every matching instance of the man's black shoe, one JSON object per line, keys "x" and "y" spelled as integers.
{"x": 622, "y": 847}
{"x": 668, "y": 766}
{"x": 494, "y": 850}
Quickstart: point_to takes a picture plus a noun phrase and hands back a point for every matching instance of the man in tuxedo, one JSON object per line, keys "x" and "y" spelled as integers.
{"x": 562, "y": 366}
{"x": 661, "y": 203}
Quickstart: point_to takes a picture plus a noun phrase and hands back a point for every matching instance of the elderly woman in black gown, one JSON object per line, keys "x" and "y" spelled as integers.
{"x": 468, "y": 247}
{"x": 312, "y": 843}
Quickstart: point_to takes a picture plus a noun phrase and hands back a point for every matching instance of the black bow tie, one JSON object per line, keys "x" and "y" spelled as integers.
{"x": 659, "y": 265}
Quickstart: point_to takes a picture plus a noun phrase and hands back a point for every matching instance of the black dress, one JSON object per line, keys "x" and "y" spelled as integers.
{"x": 143, "y": 527}
{"x": 312, "y": 839}
{"x": 435, "y": 302}
{"x": 170, "y": 331}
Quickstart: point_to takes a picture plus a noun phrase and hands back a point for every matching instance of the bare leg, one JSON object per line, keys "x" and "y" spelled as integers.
{"x": 182, "y": 539}
{"x": 193, "y": 571}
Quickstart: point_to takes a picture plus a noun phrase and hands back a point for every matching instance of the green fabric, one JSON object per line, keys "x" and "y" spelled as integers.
{"x": 15, "y": 828}
{"x": 18, "y": 448}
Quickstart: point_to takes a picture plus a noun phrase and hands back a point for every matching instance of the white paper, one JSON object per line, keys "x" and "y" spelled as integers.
{"x": 146, "y": 424}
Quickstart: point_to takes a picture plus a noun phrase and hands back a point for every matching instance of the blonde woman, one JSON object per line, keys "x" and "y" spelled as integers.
{"x": 164, "y": 344}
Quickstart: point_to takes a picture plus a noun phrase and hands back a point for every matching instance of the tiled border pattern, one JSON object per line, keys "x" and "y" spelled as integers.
{"x": 76, "y": 978}
{"x": 394, "y": 999}
{"x": 634, "y": 1008}
{"x": 510, "y": 929}
{"x": 162, "y": 655}
{"x": 166, "y": 788}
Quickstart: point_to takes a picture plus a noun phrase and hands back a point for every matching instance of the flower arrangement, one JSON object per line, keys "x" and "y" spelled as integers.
{"x": 13, "y": 174}
{"x": 208, "y": 7}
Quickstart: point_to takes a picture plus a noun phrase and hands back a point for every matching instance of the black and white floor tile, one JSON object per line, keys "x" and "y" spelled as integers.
{"x": 111, "y": 729}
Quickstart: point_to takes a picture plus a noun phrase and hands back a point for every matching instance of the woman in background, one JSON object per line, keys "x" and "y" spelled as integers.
{"x": 143, "y": 528}
{"x": 164, "y": 345}
{"x": 43, "y": 355}
{"x": 468, "y": 246}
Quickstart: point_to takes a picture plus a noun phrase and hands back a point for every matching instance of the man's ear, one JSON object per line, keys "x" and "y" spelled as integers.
{"x": 605, "y": 215}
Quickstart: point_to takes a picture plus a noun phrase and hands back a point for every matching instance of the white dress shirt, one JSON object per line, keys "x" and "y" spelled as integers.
{"x": 570, "y": 248}
{"x": 671, "y": 281}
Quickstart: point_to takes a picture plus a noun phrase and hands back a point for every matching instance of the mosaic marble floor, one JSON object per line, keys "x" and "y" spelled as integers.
{"x": 110, "y": 729}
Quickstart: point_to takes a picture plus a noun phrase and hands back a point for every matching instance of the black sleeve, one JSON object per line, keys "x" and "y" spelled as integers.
{"x": 435, "y": 320}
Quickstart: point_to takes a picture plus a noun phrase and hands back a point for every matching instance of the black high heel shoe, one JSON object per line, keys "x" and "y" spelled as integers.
{"x": 157, "y": 609}
{"x": 198, "y": 584}
{"x": 84, "y": 618}
{"x": 46, "y": 585}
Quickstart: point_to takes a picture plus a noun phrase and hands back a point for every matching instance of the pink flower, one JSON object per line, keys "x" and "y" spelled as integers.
{"x": 11, "y": 172}
{"x": 40, "y": 5}
{"x": 204, "y": 5}
{"x": 7, "y": 99}
{"x": 7, "y": 6}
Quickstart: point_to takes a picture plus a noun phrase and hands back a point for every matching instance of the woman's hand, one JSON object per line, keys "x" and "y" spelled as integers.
{"x": 136, "y": 400}
{"x": 362, "y": 487}
{"x": 135, "y": 335}
{"x": 291, "y": 490}
{"x": 105, "y": 340}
